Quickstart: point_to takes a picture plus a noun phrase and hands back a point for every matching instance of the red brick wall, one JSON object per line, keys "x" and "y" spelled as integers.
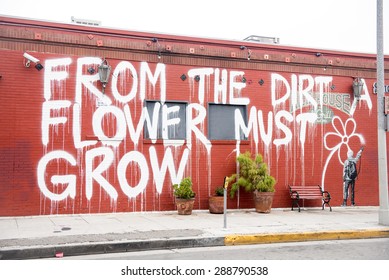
{"x": 39, "y": 142}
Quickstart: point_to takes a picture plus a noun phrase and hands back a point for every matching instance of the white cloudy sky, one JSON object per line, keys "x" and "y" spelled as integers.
{"x": 346, "y": 25}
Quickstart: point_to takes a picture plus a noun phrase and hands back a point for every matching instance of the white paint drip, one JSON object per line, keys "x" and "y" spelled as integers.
{"x": 227, "y": 89}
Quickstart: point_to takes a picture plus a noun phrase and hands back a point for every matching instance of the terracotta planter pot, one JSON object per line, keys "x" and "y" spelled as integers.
{"x": 216, "y": 204}
{"x": 184, "y": 206}
{"x": 263, "y": 201}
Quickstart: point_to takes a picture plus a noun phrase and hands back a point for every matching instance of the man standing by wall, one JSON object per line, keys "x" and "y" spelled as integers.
{"x": 350, "y": 173}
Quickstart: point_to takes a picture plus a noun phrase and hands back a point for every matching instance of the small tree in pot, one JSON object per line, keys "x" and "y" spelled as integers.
{"x": 254, "y": 177}
{"x": 184, "y": 196}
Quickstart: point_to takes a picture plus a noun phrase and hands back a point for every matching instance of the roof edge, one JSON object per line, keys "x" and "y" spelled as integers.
{"x": 5, "y": 19}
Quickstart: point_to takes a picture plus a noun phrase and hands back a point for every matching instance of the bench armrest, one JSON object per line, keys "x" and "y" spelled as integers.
{"x": 294, "y": 194}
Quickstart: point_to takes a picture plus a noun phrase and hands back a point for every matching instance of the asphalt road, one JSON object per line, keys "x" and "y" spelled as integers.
{"x": 359, "y": 249}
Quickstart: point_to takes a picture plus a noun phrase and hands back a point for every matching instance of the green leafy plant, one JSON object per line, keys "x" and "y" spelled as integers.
{"x": 184, "y": 189}
{"x": 253, "y": 175}
{"x": 219, "y": 191}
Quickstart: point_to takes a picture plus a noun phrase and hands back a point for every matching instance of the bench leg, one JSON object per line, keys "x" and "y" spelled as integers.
{"x": 328, "y": 203}
{"x": 295, "y": 202}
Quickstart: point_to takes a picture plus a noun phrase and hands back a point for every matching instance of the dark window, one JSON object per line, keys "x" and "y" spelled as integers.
{"x": 221, "y": 124}
{"x": 171, "y": 118}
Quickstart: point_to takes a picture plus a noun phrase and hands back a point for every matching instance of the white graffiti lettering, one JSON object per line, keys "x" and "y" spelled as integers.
{"x": 137, "y": 157}
{"x": 70, "y": 180}
{"x": 47, "y": 120}
{"x": 116, "y": 121}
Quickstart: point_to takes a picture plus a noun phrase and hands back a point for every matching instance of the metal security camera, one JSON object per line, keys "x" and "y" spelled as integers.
{"x": 30, "y": 59}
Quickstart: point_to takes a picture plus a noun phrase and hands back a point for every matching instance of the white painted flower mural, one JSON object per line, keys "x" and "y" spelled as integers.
{"x": 341, "y": 140}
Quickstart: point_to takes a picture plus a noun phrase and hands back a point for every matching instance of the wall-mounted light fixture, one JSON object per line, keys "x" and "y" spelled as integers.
{"x": 248, "y": 51}
{"x": 104, "y": 72}
{"x": 29, "y": 58}
{"x": 155, "y": 40}
{"x": 357, "y": 88}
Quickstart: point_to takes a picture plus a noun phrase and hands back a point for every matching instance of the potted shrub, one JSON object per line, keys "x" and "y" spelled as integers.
{"x": 254, "y": 177}
{"x": 184, "y": 196}
{"x": 216, "y": 202}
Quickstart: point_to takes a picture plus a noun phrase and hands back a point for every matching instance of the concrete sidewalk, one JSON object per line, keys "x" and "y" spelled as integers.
{"x": 48, "y": 236}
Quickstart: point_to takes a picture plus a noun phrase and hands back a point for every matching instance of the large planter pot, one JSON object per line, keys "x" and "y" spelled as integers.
{"x": 184, "y": 206}
{"x": 216, "y": 204}
{"x": 263, "y": 201}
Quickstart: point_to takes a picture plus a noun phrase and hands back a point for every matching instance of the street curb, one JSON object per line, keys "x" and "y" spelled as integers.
{"x": 236, "y": 239}
{"x": 75, "y": 249}
{"x": 51, "y": 251}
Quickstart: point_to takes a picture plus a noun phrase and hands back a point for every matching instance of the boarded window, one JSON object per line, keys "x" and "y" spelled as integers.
{"x": 168, "y": 120}
{"x": 221, "y": 124}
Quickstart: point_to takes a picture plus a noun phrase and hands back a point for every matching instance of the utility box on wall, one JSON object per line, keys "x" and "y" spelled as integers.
{"x": 386, "y": 104}
{"x": 386, "y": 112}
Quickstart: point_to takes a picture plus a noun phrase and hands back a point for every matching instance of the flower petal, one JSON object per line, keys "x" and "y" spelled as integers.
{"x": 350, "y": 126}
{"x": 338, "y": 125}
{"x": 332, "y": 140}
{"x": 355, "y": 141}
{"x": 342, "y": 153}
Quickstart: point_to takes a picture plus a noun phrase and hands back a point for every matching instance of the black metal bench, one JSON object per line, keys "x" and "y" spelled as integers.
{"x": 309, "y": 192}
